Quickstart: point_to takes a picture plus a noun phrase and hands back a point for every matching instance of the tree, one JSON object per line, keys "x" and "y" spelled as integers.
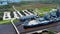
{"x": 1, "y": 18}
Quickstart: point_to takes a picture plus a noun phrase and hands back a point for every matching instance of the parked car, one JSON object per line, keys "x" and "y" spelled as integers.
{"x": 28, "y": 17}
{"x": 33, "y": 21}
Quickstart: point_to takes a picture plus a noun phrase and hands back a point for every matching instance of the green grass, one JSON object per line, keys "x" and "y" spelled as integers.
{"x": 40, "y": 11}
{"x": 8, "y": 21}
{"x": 49, "y": 32}
{"x": 16, "y": 20}
{"x": 5, "y": 22}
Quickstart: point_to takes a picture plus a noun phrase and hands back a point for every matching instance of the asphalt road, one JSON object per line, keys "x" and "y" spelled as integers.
{"x": 54, "y": 27}
{"x": 8, "y": 29}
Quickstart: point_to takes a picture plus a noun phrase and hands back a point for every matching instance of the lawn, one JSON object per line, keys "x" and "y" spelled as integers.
{"x": 8, "y": 21}
{"x": 43, "y": 10}
{"x": 5, "y": 22}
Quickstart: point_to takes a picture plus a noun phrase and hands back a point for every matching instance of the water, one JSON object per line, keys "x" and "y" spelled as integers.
{"x": 15, "y": 0}
{"x": 11, "y": 0}
{"x": 4, "y": 2}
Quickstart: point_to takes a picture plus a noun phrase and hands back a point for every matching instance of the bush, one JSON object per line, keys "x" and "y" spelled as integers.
{"x": 1, "y": 18}
{"x": 51, "y": 32}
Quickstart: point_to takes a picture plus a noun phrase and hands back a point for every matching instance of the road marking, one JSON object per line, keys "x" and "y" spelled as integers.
{"x": 6, "y": 16}
{"x": 25, "y": 13}
{"x": 15, "y": 26}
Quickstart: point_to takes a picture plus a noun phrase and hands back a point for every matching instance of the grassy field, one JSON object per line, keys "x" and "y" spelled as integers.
{"x": 33, "y": 6}
{"x": 41, "y": 11}
{"x": 41, "y": 8}
{"x": 8, "y": 21}
{"x": 5, "y": 22}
